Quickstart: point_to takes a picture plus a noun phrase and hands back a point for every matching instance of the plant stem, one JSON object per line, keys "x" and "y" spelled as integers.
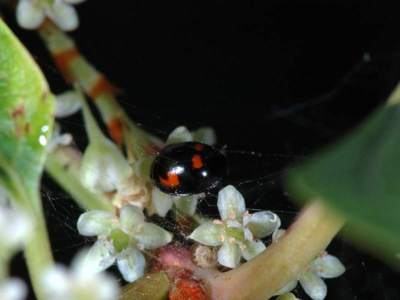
{"x": 4, "y": 261}
{"x": 261, "y": 277}
{"x": 37, "y": 250}
{"x": 77, "y": 69}
{"x": 63, "y": 165}
{"x": 92, "y": 129}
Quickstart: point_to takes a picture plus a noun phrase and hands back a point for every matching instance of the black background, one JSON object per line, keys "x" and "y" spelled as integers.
{"x": 280, "y": 78}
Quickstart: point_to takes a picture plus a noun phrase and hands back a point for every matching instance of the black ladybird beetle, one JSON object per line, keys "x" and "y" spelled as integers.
{"x": 188, "y": 168}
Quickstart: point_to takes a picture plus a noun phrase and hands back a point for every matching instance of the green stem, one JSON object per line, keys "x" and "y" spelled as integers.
{"x": 93, "y": 131}
{"x": 37, "y": 249}
{"x": 4, "y": 261}
{"x": 282, "y": 261}
{"x": 56, "y": 40}
{"x": 63, "y": 165}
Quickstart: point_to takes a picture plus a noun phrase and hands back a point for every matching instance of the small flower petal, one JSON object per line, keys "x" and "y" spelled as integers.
{"x": 205, "y": 135}
{"x": 130, "y": 217}
{"x": 58, "y": 139}
{"x": 278, "y": 234}
{"x": 234, "y": 224}
{"x": 13, "y": 289}
{"x": 55, "y": 282}
{"x": 251, "y": 249}
{"x": 162, "y": 202}
{"x": 187, "y": 204}
{"x": 131, "y": 264}
{"x": 230, "y": 203}
{"x": 68, "y": 103}
{"x": 82, "y": 282}
{"x": 82, "y": 265}
{"x": 87, "y": 281}
{"x": 95, "y": 222}
{"x": 262, "y": 223}
{"x": 108, "y": 288}
{"x": 104, "y": 168}
{"x": 151, "y": 236}
{"x": 15, "y": 227}
{"x": 179, "y": 135}
{"x": 208, "y": 234}
{"x": 100, "y": 256}
{"x": 328, "y": 266}
{"x": 313, "y": 285}
{"x": 248, "y": 235}
{"x": 229, "y": 255}
{"x": 64, "y": 15}
{"x": 29, "y": 14}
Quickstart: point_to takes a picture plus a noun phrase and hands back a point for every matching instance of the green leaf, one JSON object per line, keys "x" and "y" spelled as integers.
{"x": 26, "y": 121}
{"x": 26, "y": 114}
{"x": 360, "y": 178}
{"x": 153, "y": 286}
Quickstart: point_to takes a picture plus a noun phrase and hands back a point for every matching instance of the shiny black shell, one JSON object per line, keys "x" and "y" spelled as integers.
{"x": 188, "y": 168}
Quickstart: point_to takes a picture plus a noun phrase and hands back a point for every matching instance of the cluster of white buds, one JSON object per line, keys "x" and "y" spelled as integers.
{"x": 238, "y": 233}
{"x": 121, "y": 239}
{"x": 325, "y": 266}
{"x": 13, "y": 289}
{"x": 15, "y": 227}
{"x": 32, "y": 13}
{"x": 81, "y": 282}
{"x": 104, "y": 168}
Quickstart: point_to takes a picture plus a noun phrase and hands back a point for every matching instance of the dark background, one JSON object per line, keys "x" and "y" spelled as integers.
{"x": 279, "y": 78}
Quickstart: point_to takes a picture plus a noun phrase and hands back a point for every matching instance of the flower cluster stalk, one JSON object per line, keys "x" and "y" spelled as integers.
{"x": 76, "y": 69}
{"x": 3, "y": 266}
{"x": 38, "y": 254}
{"x": 282, "y": 261}
{"x": 37, "y": 249}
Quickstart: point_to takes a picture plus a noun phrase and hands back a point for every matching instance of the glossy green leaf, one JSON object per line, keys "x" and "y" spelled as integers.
{"x": 26, "y": 120}
{"x": 360, "y": 178}
{"x": 26, "y": 117}
{"x": 153, "y": 286}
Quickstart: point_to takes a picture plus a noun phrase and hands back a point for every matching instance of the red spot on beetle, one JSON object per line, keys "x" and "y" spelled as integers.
{"x": 197, "y": 162}
{"x": 172, "y": 180}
